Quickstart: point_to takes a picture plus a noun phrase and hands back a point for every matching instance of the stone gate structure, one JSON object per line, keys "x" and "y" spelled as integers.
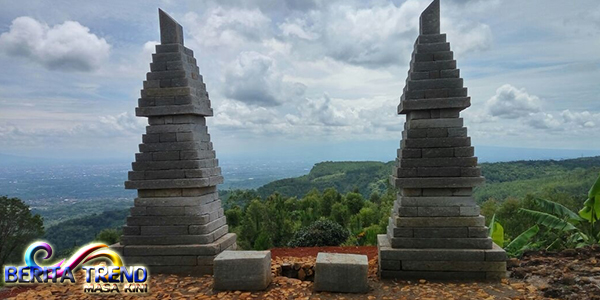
{"x": 435, "y": 231}
{"x": 177, "y": 223}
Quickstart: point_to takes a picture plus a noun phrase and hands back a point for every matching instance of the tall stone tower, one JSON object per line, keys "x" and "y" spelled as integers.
{"x": 177, "y": 223}
{"x": 435, "y": 231}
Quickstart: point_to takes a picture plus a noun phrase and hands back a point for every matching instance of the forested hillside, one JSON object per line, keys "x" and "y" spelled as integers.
{"x": 364, "y": 176}
{"x": 356, "y": 196}
{"x": 503, "y": 179}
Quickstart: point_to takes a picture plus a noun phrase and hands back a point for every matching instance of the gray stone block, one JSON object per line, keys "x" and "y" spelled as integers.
{"x": 208, "y": 228}
{"x": 436, "y": 201}
{"x": 431, "y": 38}
{"x": 440, "y": 142}
{"x": 469, "y": 266}
{"x": 242, "y": 270}
{"x": 386, "y": 252}
{"x": 438, "y": 152}
{"x": 170, "y": 165}
{"x": 165, "y": 75}
{"x": 182, "y": 146}
{"x": 164, "y": 230}
{"x": 168, "y": 220}
{"x": 478, "y": 232}
{"x": 429, "y": 21}
{"x": 496, "y": 254}
{"x": 440, "y": 211}
{"x": 440, "y": 221}
{"x": 170, "y": 31}
{"x": 439, "y": 83}
{"x": 167, "y": 239}
{"x": 464, "y": 151}
{"x": 390, "y": 264}
{"x": 177, "y": 250}
{"x": 457, "y": 232}
{"x": 131, "y": 230}
{"x": 409, "y": 104}
{"x": 432, "y": 47}
{"x": 455, "y": 73}
{"x": 442, "y": 243}
{"x": 457, "y": 132}
{"x": 167, "y": 183}
{"x": 435, "y": 123}
{"x": 201, "y": 110}
{"x": 177, "y": 201}
{"x": 469, "y": 211}
{"x": 433, "y": 65}
{"x": 438, "y": 182}
{"x": 438, "y": 171}
{"x": 438, "y": 162}
{"x": 432, "y": 275}
{"x": 346, "y": 273}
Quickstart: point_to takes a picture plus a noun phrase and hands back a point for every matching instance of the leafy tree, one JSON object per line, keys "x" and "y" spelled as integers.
{"x": 355, "y": 202}
{"x": 18, "y": 227}
{"x": 234, "y": 216}
{"x": 109, "y": 236}
{"x": 321, "y": 233}
{"x": 254, "y": 222}
{"x": 340, "y": 214}
{"x": 375, "y": 198}
{"x": 330, "y": 197}
{"x": 263, "y": 241}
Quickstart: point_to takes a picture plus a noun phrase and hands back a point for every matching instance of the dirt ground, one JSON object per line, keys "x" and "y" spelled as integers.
{"x": 571, "y": 274}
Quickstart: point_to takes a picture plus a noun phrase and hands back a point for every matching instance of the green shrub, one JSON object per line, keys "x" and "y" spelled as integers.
{"x": 320, "y": 233}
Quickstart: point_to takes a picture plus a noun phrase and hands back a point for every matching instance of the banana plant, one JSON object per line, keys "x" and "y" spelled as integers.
{"x": 521, "y": 242}
{"x": 496, "y": 232}
{"x": 591, "y": 207}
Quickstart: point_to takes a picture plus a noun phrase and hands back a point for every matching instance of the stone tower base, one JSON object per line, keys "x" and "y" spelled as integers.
{"x": 440, "y": 263}
{"x": 176, "y": 259}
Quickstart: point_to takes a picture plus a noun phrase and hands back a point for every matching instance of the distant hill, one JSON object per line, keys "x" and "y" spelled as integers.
{"x": 365, "y": 176}
{"x": 80, "y": 231}
{"x": 503, "y": 179}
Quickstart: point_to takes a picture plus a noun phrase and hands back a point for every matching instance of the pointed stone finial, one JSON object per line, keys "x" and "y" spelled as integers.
{"x": 430, "y": 19}
{"x": 170, "y": 31}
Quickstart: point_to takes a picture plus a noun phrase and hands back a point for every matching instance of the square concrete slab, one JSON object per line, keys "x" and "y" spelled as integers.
{"x": 242, "y": 270}
{"x": 346, "y": 273}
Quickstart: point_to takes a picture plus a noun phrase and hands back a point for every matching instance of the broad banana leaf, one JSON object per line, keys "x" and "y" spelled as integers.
{"x": 548, "y": 220}
{"x": 591, "y": 207}
{"x": 557, "y": 209}
{"x": 520, "y": 241}
{"x": 496, "y": 232}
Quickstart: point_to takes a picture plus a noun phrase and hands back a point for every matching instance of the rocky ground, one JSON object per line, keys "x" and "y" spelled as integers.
{"x": 570, "y": 274}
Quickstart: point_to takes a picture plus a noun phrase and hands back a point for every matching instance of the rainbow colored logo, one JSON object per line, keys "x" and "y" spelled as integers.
{"x": 84, "y": 255}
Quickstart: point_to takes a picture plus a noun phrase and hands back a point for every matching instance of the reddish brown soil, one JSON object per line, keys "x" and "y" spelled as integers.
{"x": 369, "y": 251}
{"x": 13, "y": 291}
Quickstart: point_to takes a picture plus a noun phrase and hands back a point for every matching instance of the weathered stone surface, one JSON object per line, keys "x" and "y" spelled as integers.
{"x": 438, "y": 182}
{"x": 441, "y": 243}
{"x": 435, "y": 231}
{"x": 407, "y": 105}
{"x": 436, "y": 201}
{"x": 440, "y": 221}
{"x": 345, "y": 273}
{"x": 176, "y": 250}
{"x": 242, "y": 270}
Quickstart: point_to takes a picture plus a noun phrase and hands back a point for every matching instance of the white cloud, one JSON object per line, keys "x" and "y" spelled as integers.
{"x": 511, "y": 103}
{"x": 69, "y": 46}
{"x": 219, "y": 27}
{"x": 253, "y": 79}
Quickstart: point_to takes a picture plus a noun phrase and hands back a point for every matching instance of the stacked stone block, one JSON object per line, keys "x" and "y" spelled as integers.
{"x": 436, "y": 230}
{"x": 177, "y": 224}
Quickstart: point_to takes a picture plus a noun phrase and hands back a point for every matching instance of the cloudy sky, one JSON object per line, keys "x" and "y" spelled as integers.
{"x": 295, "y": 76}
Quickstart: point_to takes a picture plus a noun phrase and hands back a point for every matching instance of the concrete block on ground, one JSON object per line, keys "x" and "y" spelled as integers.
{"x": 346, "y": 273}
{"x": 242, "y": 270}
